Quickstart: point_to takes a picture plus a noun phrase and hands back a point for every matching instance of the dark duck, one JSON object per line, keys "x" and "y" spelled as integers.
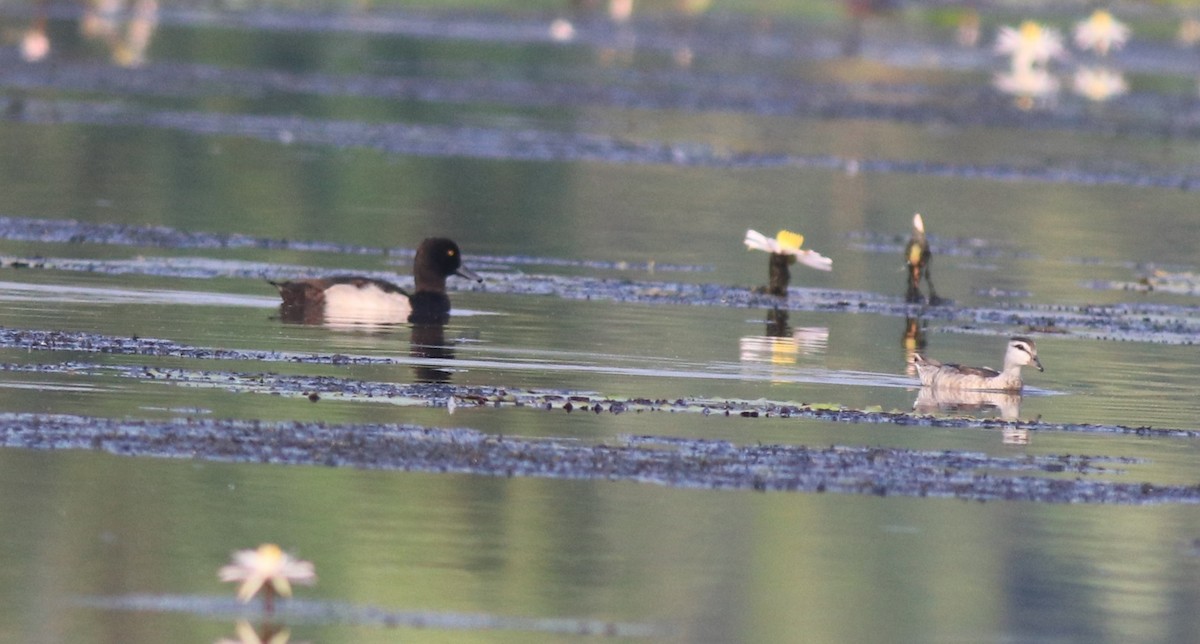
{"x": 356, "y": 298}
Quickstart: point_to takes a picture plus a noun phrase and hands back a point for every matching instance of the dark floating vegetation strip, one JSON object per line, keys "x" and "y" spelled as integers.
{"x": 70, "y": 231}
{"x": 460, "y": 397}
{"x": 675, "y": 462}
{"x": 303, "y": 611}
{"x": 32, "y": 339}
{"x": 541, "y": 145}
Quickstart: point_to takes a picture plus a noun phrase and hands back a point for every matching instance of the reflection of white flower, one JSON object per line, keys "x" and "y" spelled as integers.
{"x": 247, "y": 635}
{"x": 1099, "y": 83}
{"x": 1101, "y": 32}
{"x": 1028, "y": 82}
{"x": 267, "y": 566}
{"x": 807, "y": 340}
{"x": 1031, "y": 43}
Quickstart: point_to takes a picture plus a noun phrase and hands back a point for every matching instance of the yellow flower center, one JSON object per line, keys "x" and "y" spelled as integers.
{"x": 270, "y": 555}
{"x": 1102, "y": 19}
{"x": 1030, "y": 31}
{"x": 789, "y": 240}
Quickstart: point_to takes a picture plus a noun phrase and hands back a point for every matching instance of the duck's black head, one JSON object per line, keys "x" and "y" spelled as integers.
{"x": 438, "y": 258}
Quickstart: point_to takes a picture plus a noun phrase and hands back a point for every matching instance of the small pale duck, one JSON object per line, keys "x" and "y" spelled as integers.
{"x": 1021, "y": 351}
{"x": 356, "y": 298}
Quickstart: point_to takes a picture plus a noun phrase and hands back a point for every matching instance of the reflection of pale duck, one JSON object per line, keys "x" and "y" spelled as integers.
{"x": 931, "y": 400}
{"x": 350, "y": 297}
{"x": 1021, "y": 351}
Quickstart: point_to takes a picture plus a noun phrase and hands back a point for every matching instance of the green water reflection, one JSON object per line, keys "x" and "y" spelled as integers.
{"x": 709, "y": 566}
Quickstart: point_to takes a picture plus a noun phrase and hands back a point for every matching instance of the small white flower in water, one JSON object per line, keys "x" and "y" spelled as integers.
{"x": 1031, "y": 43}
{"x": 683, "y": 56}
{"x": 787, "y": 243}
{"x": 1027, "y": 83}
{"x": 1189, "y": 32}
{"x": 620, "y": 10}
{"x": 1101, "y": 32}
{"x": 35, "y": 46}
{"x": 1099, "y": 84}
{"x": 267, "y": 567}
{"x": 562, "y": 30}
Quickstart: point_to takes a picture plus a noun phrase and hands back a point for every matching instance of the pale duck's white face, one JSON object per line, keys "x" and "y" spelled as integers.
{"x": 367, "y": 306}
{"x": 1022, "y": 352}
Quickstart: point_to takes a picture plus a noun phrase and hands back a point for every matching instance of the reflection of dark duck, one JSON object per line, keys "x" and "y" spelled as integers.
{"x": 1021, "y": 351}
{"x": 365, "y": 299}
{"x": 917, "y": 258}
{"x": 429, "y": 342}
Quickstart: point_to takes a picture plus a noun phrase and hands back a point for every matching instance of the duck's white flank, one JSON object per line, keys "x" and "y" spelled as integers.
{"x": 368, "y": 302}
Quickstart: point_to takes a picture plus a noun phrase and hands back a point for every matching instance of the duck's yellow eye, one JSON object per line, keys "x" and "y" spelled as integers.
{"x": 450, "y": 252}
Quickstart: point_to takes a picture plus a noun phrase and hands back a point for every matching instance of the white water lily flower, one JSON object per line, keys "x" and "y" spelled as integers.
{"x": 619, "y": 11}
{"x": 1101, "y": 32}
{"x": 562, "y": 30}
{"x": 267, "y": 566}
{"x": 1189, "y": 33}
{"x": 1099, "y": 84}
{"x": 788, "y": 243}
{"x": 35, "y": 45}
{"x": 1030, "y": 44}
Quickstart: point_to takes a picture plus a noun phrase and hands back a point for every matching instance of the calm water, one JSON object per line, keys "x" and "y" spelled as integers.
{"x": 656, "y": 144}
